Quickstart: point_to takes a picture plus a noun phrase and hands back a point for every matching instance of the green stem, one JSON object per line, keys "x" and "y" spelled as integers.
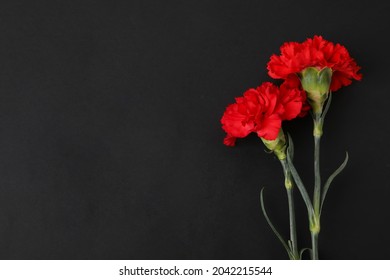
{"x": 314, "y": 246}
{"x": 291, "y": 208}
{"x": 317, "y": 175}
{"x": 293, "y": 231}
{"x": 315, "y": 228}
{"x": 314, "y": 219}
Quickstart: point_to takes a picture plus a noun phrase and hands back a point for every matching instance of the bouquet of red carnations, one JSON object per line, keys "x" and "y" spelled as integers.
{"x": 311, "y": 72}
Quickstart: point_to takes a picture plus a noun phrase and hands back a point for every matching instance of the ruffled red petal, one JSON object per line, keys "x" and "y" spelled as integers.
{"x": 270, "y": 127}
{"x": 262, "y": 110}
{"x": 237, "y": 120}
{"x": 315, "y": 52}
{"x": 229, "y": 140}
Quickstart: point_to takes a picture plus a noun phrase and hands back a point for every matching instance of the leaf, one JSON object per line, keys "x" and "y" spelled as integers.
{"x": 330, "y": 179}
{"x": 290, "y": 148}
{"x": 302, "y": 251}
{"x": 298, "y": 182}
{"x": 290, "y": 245}
{"x": 273, "y": 228}
{"x": 327, "y": 106}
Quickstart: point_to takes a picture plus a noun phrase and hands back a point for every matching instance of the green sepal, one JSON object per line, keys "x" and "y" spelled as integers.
{"x": 277, "y": 146}
{"x": 316, "y": 81}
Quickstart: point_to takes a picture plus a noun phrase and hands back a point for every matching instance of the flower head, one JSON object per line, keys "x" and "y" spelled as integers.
{"x": 317, "y": 53}
{"x": 262, "y": 110}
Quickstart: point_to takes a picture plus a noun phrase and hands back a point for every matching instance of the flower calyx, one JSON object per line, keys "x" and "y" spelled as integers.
{"x": 316, "y": 82}
{"x": 277, "y": 146}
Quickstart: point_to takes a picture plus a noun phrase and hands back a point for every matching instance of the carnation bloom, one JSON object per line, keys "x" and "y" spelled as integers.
{"x": 317, "y": 53}
{"x": 262, "y": 110}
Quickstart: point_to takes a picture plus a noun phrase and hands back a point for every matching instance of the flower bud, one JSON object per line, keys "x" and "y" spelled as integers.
{"x": 278, "y": 146}
{"x": 316, "y": 83}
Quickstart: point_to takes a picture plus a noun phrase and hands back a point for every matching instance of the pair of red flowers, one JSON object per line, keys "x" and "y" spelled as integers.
{"x": 263, "y": 109}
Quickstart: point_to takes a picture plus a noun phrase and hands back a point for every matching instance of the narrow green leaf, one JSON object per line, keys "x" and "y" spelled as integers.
{"x": 298, "y": 181}
{"x": 330, "y": 179}
{"x": 273, "y": 228}
{"x": 302, "y": 251}
{"x": 290, "y": 245}
{"x": 327, "y": 106}
{"x": 290, "y": 147}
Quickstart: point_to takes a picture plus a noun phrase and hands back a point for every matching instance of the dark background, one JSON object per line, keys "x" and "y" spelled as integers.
{"x": 110, "y": 141}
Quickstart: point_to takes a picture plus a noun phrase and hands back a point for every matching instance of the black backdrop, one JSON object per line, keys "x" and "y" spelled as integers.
{"x": 110, "y": 141}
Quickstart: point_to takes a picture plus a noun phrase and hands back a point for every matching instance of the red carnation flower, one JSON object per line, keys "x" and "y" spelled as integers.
{"x": 262, "y": 110}
{"x": 291, "y": 89}
{"x": 318, "y": 53}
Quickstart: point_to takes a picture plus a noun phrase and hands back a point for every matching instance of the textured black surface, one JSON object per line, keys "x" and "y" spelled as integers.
{"x": 110, "y": 142}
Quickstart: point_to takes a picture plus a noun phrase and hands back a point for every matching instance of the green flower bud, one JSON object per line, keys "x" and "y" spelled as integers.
{"x": 316, "y": 83}
{"x": 278, "y": 146}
